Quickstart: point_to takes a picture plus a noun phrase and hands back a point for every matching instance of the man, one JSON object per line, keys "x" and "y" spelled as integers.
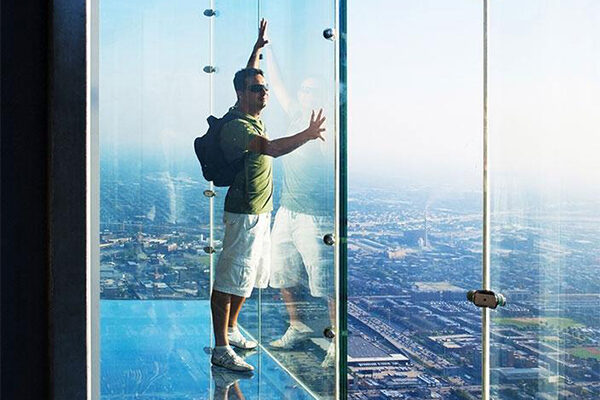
{"x": 244, "y": 262}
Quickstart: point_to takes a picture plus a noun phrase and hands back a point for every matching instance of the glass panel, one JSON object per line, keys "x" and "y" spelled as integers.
{"x": 415, "y": 199}
{"x": 153, "y": 102}
{"x": 299, "y": 306}
{"x": 544, "y": 85}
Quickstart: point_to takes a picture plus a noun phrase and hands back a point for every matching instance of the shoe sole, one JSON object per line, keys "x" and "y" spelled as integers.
{"x": 238, "y": 369}
{"x": 243, "y": 348}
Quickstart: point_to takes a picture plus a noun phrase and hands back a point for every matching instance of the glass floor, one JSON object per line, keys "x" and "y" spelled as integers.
{"x": 154, "y": 350}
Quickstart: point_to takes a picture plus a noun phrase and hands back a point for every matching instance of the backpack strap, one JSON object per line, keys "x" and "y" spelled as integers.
{"x": 238, "y": 163}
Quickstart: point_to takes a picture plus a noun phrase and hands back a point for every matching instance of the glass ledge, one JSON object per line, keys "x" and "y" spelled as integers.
{"x": 160, "y": 349}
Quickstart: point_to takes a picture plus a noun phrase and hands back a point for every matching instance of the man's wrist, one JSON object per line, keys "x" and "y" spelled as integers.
{"x": 305, "y": 134}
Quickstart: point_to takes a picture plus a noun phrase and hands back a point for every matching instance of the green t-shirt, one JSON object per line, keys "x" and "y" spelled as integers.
{"x": 252, "y": 188}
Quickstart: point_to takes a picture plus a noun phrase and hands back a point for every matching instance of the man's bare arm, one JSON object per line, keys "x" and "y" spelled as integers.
{"x": 261, "y": 42}
{"x": 285, "y": 145}
{"x": 281, "y": 92}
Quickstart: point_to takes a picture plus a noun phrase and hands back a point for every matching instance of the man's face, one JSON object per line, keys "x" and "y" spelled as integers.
{"x": 255, "y": 95}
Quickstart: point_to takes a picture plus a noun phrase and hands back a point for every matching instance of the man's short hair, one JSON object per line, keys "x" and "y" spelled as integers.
{"x": 239, "y": 80}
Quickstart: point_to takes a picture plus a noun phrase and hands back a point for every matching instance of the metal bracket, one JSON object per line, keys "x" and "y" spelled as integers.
{"x": 486, "y": 298}
{"x": 209, "y": 69}
{"x": 329, "y": 239}
{"x": 209, "y": 12}
{"x": 209, "y": 193}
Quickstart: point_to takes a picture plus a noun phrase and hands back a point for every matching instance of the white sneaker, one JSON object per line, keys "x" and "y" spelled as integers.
{"x": 292, "y": 337}
{"x": 330, "y": 357}
{"x": 238, "y": 340}
{"x": 228, "y": 359}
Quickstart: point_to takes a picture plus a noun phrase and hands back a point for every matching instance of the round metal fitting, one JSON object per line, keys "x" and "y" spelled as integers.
{"x": 329, "y": 333}
{"x": 209, "y": 69}
{"x": 210, "y": 12}
{"x": 328, "y": 239}
{"x": 209, "y": 193}
{"x": 329, "y": 34}
{"x": 209, "y": 250}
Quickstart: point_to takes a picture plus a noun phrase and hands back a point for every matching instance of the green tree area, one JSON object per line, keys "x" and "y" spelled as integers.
{"x": 585, "y": 352}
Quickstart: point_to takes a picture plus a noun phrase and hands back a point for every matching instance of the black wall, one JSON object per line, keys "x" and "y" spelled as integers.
{"x": 42, "y": 236}
{"x": 24, "y": 168}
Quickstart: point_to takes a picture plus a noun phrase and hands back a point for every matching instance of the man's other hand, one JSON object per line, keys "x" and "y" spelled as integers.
{"x": 315, "y": 128}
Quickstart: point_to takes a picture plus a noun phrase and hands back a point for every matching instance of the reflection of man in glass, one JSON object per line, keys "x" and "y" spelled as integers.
{"x": 244, "y": 262}
{"x": 227, "y": 384}
{"x": 305, "y": 215}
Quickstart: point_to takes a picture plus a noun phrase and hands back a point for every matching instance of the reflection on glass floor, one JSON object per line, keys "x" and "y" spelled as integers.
{"x": 154, "y": 350}
{"x": 306, "y": 360}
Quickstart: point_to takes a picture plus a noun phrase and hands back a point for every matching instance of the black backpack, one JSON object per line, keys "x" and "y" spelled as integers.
{"x": 215, "y": 167}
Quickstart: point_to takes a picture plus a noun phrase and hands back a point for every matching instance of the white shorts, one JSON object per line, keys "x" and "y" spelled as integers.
{"x": 245, "y": 260}
{"x": 298, "y": 245}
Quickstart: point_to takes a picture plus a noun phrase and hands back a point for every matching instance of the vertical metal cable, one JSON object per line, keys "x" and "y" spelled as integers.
{"x": 211, "y": 200}
{"x": 210, "y": 112}
{"x": 341, "y": 187}
{"x": 485, "y": 312}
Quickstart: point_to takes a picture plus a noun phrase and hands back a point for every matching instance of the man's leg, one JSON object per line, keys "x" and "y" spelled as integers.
{"x": 223, "y": 355}
{"x": 236, "y": 306}
{"x": 234, "y": 336}
{"x": 290, "y": 305}
{"x": 220, "y": 304}
{"x": 297, "y": 331}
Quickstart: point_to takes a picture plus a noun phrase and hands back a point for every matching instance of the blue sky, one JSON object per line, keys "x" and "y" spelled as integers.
{"x": 414, "y": 81}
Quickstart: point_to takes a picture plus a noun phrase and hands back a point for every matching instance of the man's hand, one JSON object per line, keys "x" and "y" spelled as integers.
{"x": 315, "y": 128}
{"x": 262, "y": 40}
{"x": 285, "y": 145}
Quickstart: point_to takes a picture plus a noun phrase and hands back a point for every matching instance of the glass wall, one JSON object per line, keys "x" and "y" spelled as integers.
{"x": 415, "y": 199}
{"x": 544, "y": 102}
{"x": 417, "y": 180}
{"x": 164, "y": 68}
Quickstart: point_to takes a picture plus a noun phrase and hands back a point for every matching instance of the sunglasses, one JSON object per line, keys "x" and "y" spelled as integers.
{"x": 257, "y": 88}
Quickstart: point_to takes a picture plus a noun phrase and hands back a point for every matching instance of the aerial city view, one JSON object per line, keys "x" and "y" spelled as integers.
{"x": 413, "y": 255}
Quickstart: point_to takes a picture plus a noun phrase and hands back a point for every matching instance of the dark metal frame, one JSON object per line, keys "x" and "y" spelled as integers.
{"x": 44, "y": 225}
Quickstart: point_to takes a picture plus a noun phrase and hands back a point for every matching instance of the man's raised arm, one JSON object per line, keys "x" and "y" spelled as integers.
{"x": 282, "y": 146}
{"x": 261, "y": 42}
